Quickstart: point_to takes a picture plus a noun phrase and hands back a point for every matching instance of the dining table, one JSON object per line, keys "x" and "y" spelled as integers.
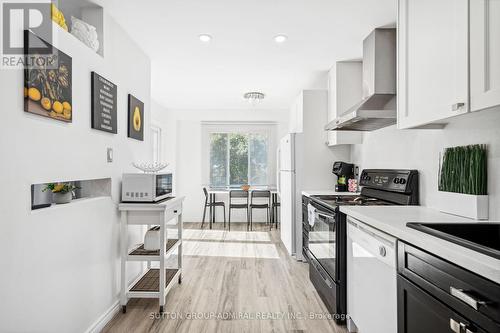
{"x": 224, "y": 190}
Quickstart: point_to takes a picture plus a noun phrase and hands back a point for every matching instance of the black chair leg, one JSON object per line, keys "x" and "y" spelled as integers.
{"x": 224, "y": 207}
{"x": 272, "y": 217}
{"x": 251, "y": 219}
{"x": 204, "y": 213}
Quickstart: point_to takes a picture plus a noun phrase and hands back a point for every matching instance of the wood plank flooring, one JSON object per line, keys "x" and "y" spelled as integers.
{"x": 235, "y": 281}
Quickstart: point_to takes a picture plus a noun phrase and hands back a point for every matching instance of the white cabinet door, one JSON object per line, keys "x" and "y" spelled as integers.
{"x": 345, "y": 88}
{"x": 297, "y": 115}
{"x": 332, "y": 94}
{"x": 300, "y": 114}
{"x": 484, "y": 54}
{"x": 432, "y": 61}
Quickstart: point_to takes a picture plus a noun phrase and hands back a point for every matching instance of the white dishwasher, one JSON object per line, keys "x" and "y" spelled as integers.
{"x": 371, "y": 279}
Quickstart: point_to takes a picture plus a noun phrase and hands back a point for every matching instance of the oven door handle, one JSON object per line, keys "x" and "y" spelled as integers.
{"x": 326, "y": 216}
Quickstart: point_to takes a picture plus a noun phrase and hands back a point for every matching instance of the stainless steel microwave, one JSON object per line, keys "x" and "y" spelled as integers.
{"x": 146, "y": 187}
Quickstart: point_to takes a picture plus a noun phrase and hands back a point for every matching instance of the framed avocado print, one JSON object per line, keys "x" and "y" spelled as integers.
{"x": 135, "y": 118}
{"x": 103, "y": 103}
{"x": 47, "y": 80}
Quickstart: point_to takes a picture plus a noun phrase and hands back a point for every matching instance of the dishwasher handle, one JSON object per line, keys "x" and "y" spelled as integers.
{"x": 386, "y": 239}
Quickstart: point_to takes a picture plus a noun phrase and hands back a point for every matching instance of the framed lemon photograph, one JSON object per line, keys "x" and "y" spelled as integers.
{"x": 47, "y": 80}
{"x": 135, "y": 118}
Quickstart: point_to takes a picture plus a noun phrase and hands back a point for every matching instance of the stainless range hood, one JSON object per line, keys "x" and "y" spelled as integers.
{"x": 377, "y": 109}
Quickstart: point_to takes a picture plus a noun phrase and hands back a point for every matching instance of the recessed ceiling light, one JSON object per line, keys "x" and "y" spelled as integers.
{"x": 280, "y": 38}
{"x": 205, "y": 38}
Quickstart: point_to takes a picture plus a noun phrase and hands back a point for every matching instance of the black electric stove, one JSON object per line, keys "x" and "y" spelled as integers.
{"x": 325, "y": 238}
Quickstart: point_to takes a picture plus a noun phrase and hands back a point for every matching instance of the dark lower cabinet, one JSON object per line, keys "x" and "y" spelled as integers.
{"x": 419, "y": 312}
{"x": 436, "y": 296}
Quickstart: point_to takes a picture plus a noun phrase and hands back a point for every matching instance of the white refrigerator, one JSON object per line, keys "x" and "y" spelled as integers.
{"x": 305, "y": 163}
{"x": 287, "y": 192}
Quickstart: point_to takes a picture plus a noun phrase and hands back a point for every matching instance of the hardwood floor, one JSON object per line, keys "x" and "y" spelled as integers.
{"x": 235, "y": 281}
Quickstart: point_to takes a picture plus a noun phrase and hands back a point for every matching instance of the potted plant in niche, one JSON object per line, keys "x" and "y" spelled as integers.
{"x": 61, "y": 192}
{"x": 463, "y": 185}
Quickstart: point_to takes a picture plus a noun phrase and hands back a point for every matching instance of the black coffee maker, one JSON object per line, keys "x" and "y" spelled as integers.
{"x": 344, "y": 172}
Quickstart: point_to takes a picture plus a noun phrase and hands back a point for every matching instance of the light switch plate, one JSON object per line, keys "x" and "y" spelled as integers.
{"x": 109, "y": 155}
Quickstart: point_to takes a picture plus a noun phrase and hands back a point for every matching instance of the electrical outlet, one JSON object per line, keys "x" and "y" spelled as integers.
{"x": 109, "y": 155}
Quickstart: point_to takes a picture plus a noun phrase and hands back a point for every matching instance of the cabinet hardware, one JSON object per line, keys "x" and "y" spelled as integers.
{"x": 382, "y": 251}
{"x": 457, "y": 106}
{"x": 464, "y": 297}
{"x": 457, "y": 327}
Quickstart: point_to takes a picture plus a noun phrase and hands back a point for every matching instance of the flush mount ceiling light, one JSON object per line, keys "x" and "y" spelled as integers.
{"x": 254, "y": 97}
{"x": 205, "y": 38}
{"x": 280, "y": 38}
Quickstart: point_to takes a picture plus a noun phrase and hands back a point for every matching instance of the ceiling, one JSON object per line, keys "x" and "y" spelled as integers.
{"x": 242, "y": 56}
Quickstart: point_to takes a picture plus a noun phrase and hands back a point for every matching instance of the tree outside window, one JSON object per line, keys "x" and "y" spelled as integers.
{"x": 238, "y": 158}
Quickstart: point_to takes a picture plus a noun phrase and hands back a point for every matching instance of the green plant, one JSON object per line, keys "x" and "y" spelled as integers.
{"x": 60, "y": 187}
{"x": 464, "y": 170}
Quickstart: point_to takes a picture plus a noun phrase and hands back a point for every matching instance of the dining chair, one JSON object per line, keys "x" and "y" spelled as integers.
{"x": 267, "y": 206}
{"x": 238, "y": 195}
{"x": 212, "y": 205}
{"x": 275, "y": 207}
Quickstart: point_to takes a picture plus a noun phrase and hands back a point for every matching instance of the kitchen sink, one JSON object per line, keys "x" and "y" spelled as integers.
{"x": 481, "y": 237}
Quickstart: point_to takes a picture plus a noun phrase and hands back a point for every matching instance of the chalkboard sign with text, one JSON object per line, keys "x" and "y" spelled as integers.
{"x": 103, "y": 104}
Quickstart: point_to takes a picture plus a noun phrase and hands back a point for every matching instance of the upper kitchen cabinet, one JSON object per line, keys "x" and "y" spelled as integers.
{"x": 432, "y": 61}
{"x": 345, "y": 88}
{"x": 309, "y": 111}
{"x": 484, "y": 54}
{"x": 297, "y": 115}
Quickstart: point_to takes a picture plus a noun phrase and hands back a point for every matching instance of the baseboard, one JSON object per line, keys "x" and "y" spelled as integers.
{"x": 104, "y": 318}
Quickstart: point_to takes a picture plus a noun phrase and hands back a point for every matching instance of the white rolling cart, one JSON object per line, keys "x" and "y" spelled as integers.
{"x": 156, "y": 281}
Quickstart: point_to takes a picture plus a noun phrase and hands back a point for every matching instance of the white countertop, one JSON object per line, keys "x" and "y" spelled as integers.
{"x": 392, "y": 220}
{"x": 151, "y": 206}
{"x": 309, "y": 193}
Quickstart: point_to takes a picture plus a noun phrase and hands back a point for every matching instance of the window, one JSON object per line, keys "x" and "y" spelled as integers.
{"x": 238, "y": 158}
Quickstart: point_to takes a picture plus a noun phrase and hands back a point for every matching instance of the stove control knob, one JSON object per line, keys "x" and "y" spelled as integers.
{"x": 382, "y": 251}
{"x": 396, "y": 181}
{"x": 402, "y": 181}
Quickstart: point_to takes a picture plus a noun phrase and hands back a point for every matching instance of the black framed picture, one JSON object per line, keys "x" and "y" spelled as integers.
{"x": 135, "y": 118}
{"x": 47, "y": 80}
{"x": 103, "y": 104}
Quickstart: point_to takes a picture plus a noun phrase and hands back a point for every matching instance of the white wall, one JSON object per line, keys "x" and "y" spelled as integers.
{"x": 60, "y": 267}
{"x": 167, "y": 121}
{"x": 186, "y": 140}
{"x": 419, "y": 149}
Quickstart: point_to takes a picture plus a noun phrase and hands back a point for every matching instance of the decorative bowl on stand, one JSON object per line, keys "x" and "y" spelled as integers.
{"x": 153, "y": 167}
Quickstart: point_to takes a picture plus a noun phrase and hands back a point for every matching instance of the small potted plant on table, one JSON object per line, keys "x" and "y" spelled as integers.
{"x": 61, "y": 192}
